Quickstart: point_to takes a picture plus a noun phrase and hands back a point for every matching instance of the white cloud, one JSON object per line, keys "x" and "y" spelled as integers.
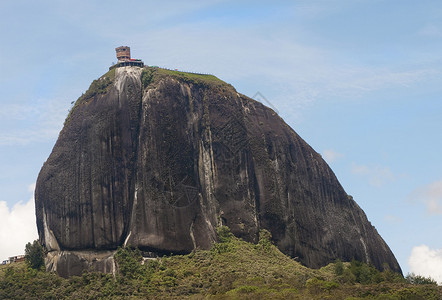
{"x": 296, "y": 71}
{"x": 392, "y": 219}
{"x": 18, "y": 112}
{"x": 17, "y": 226}
{"x": 426, "y": 262}
{"x": 377, "y": 175}
{"x": 431, "y": 196}
{"x": 331, "y": 156}
{"x": 292, "y": 73}
{"x": 24, "y": 137}
{"x": 38, "y": 121}
{"x": 105, "y": 25}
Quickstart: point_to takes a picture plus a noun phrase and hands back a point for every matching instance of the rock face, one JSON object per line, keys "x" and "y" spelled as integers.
{"x": 158, "y": 159}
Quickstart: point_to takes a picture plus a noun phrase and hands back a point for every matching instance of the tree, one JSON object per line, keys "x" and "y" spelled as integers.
{"x": 34, "y": 255}
{"x": 419, "y": 279}
{"x": 339, "y": 267}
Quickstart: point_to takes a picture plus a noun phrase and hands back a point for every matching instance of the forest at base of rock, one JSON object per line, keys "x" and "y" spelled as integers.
{"x": 231, "y": 269}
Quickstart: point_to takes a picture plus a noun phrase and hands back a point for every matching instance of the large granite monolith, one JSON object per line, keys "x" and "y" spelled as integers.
{"x": 158, "y": 159}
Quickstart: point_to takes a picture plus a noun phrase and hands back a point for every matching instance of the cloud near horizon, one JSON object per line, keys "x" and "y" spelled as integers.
{"x": 426, "y": 262}
{"x": 17, "y": 226}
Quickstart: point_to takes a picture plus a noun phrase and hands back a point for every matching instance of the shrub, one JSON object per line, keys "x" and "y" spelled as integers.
{"x": 364, "y": 273}
{"x": 224, "y": 234}
{"x": 225, "y": 238}
{"x": 339, "y": 267}
{"x": 419, "y": 279}
{"x": 265, "y": 240}
{"x": 34, "y": 255}
{"x": 129, "y": 262}
{"x": 246, "y": 289}
{"x": 389, "y": 276}
{"x": 348, "y": 276}
{"x": 316, "y": 285}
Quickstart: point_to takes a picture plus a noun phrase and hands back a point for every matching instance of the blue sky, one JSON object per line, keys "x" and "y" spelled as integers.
{"x": 359, "y": 80}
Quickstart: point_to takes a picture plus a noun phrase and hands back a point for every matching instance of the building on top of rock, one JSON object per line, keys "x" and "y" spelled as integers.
{"x": 124, "y": 59}
{"x": 123, "y": 53}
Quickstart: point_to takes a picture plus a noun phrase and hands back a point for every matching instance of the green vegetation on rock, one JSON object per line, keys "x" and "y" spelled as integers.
{"x": 97, "y": 87}
{"x": 147, "y": 76}
{"x": 232, "y": 269}
{"x": 153, "y": 74}
{"x": 192, "y": 77}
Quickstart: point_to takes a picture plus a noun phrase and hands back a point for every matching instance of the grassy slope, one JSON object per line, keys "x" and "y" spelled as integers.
{"x": 19, "y": 265}
{"x": 232, "y": 269}
{"x": 235, "y": 266}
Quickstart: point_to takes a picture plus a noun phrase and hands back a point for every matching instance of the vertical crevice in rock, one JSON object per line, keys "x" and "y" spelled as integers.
{"x": 208, "y": 203}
